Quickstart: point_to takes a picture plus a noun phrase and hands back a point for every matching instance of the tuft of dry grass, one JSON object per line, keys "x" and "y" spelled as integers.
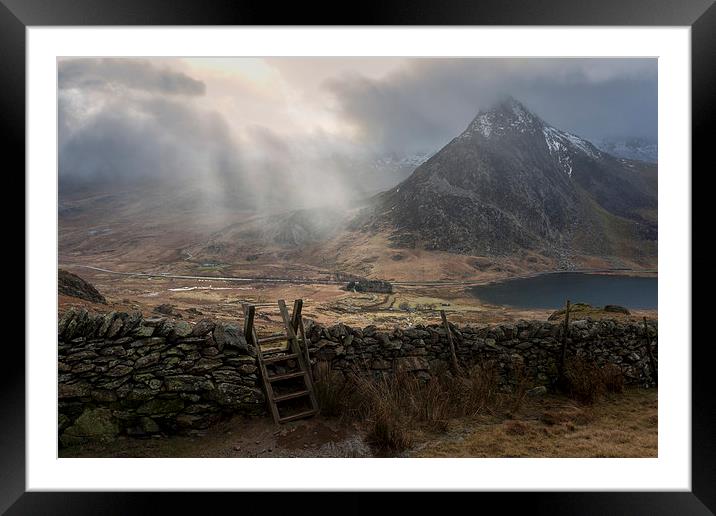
{"x": 396, "y": 407}
{"x": 389, "y": 407}
{"x": 613, "y": 378}
{"x": 585, "y": 381}
{"x": 333, "y": 390}
{"x": 516, "y": 427}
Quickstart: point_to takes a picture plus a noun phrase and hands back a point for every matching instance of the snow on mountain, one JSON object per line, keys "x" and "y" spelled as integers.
{"x": 631, "y": 148}
{"x": 511, "y": 116}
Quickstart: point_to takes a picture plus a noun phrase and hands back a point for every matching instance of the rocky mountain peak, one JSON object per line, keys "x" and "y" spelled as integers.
{"x": 512, "y": 182}
{"x": 507, "y": 116}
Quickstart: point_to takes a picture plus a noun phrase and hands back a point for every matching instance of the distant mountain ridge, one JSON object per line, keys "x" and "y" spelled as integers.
{"x": 512, "y": 182}
{"x": 631, "y": 148}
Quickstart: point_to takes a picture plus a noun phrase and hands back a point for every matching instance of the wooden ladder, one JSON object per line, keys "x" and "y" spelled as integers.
{"x": 295, "y": 336}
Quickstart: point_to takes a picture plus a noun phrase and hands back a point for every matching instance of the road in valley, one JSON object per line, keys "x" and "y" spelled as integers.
{"x": 286, "y": 280}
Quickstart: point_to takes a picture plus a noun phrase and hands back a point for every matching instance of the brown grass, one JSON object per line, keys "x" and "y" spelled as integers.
{"x": 398, "y": 408}
{"x": 614, "y": 426}
{"x": 585, "y": 381}
{"x": 613, "y": 378}
{"x": 333, "y": 391}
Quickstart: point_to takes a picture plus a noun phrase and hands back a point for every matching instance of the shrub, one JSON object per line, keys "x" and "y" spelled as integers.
{"x": 583, "y": 380}
{"x": 481, "y": 390}
{"x": 333, "y": 391}
{"x": 613, "y": 378}
{"x": 388, "y": 434}
{"x": 386, "y": 405}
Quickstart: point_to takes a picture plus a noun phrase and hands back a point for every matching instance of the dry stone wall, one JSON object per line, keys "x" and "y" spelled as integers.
{"x": 122, "y": 373}
{"x": 535, "y": 345}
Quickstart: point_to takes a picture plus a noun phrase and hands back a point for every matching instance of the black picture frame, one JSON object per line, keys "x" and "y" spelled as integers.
{"x": 16, "y": 15}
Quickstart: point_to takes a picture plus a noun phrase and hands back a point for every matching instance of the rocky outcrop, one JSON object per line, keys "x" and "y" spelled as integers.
{"x": 122, "y": 373}
{"x": 69, "y": 284}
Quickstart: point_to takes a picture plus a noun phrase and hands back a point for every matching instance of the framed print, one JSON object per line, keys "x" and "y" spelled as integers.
{"x": 423, "y": 249}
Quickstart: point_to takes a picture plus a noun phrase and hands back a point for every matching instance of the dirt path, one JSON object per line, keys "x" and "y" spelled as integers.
{"x": 240, "y": 437}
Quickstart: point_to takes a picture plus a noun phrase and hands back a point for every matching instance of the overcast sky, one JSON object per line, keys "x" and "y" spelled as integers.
{"x": 221, "y": 118}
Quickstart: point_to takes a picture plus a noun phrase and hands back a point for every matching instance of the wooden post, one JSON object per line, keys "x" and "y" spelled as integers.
{"x": 563, "y": 350}
{"x": 297, "y": 324}
{"x": 453, "y": 356}
{"x": 296, "y": 315}
{"x": 249, "y": 311}
{"x": 652, "y": 362}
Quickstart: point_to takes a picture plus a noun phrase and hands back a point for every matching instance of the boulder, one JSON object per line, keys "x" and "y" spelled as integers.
{"x": 95, "y": 424}
{"x": 182, "y": 329}
{"x": 131, "y": 322}
{"x": 144, "y": 330}
{"x": 115, "y": 326}
{"x": 167, "y": 309}
{"x": 203, "y": 327}
{"x": 230, "y": 335}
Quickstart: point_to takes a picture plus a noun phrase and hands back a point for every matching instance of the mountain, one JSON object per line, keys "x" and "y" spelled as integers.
{"x": 511, "y": 182}
{"x": 631, "y": 148}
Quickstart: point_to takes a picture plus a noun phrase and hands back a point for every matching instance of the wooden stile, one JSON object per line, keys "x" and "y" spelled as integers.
{"x": 294, "y": 335}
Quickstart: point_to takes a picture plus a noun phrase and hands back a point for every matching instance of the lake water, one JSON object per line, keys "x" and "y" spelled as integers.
{"x": 552, "y": 290}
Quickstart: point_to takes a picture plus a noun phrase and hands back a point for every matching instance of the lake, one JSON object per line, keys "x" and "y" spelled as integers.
{"x": 552, "y": 290}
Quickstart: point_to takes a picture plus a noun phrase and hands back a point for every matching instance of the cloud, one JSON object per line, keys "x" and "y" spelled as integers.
{"x": 128, "y": 122}
{"x": 135, "y": 74}
{"x": 427, "y": 102}
{"x": 313, "y": 142}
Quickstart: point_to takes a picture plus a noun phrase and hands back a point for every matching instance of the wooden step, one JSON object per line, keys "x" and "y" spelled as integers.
{"x": 286, "y": 376}
{"x": 273, "y": 338}
{"x": 291, "y": 396}
{"x": 299, "y": 415}
{"x": 280, "y": 358}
